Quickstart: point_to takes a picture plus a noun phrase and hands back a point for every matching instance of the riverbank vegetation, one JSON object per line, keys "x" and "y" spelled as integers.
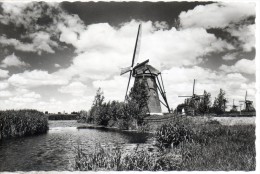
{"x": 181, "y": 145}
{"x": 17, "y": 123}
{"x": 123, "y": 115}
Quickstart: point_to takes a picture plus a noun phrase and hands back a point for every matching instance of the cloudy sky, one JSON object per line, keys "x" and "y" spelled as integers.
{"x": 54, "y": 56}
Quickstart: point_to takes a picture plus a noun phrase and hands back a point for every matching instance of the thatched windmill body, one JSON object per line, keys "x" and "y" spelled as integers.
{"x": 143, "y": 72}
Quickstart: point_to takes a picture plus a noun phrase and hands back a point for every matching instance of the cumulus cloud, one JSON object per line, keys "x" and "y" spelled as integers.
{"x": 41, "y": 41}
{"x": 40, "y": 36}
{"x": 35, "y": 78}
{"x": 217, "y": 15}
{"x": 4, "y": 73}
{"x": 12, "y": 60}
{"x": 245, "y": 34}
{"x": 230, "y": 56}
{"x": 101, "y": 44}
{"x": 5, "y": 94}
{"x": 18, "y": 99}
{"x": 3, "y": 85}
{"x": 17, "y": 44}
{"x": 74, "y": 88}
{"x": 230, "y": 17}
{"x": 57, "y": 65}
{"x": 26, "y": 98}
{"x": 242, "y": 66}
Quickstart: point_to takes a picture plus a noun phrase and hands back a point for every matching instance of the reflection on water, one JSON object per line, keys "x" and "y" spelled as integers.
{"x": 56, "y": 149}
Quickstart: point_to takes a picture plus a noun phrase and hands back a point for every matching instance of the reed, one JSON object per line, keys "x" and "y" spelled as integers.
{"x": 17, "y": 123}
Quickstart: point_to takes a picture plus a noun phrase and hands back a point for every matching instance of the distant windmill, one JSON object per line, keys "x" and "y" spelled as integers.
{"x": 234, "y": 107}
{"x": 144, "y": 72}
{"x": 194, "y": 97}
{"x": 247, "y": 104}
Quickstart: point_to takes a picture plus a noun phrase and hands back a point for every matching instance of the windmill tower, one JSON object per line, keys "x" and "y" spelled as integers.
{"x": 248, "y": 104}
{"x": 143, "y": 72}
{"x": 194, "y": 98}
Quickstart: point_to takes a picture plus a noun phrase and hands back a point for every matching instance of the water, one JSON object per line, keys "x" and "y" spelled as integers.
{"x": 56, "y": 149}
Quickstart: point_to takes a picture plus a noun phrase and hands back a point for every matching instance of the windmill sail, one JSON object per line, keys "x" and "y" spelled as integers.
{"x": 135, "y": 55}
{"x": 138, "y": 44}
{"x": 125, "y": 70}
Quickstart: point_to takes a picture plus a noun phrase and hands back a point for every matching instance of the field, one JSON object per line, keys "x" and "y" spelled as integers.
{"x": 17, "y": 123}
{"x": 205, "y": 145}
{"x": 235, "y": 120}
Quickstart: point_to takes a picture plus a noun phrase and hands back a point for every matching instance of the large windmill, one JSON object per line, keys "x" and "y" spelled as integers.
{"x": 194, "y": 98}
{"x": 144, "y": 72}
{"x": 248, "y": 104}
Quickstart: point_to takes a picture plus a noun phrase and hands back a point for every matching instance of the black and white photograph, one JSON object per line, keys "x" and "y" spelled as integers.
{"x": 128, "y": 86}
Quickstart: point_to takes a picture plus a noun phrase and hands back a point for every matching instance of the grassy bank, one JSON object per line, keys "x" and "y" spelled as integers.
{"x": 181, "y": 145}
{"x": 17, "y": 123}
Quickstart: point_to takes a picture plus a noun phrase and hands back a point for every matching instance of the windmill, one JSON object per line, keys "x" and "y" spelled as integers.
{"x": 234, "y": 107}
{"x": 248, "y": 104}
{"x": 193, "y": 98}
{"x": 144, "y": 72}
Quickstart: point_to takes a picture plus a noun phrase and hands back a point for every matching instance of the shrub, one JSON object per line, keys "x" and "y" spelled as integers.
{"x": 171, "y": 134}
{"x": 83, "y": 116}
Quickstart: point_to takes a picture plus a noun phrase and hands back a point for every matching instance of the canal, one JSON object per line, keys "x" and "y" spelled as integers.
{"x": 56, "y": 150}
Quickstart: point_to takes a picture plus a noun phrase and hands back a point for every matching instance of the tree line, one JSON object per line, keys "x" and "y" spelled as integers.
{"x": 202, "y": 105}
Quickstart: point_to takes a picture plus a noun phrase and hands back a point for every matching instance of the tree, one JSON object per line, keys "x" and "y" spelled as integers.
{"x": 103, "y": 114}
{"x": 137, "y": 106}
{"x": 205, "y": 103}
{"x": 219, "y": 104}
{"x": 116, "y": 110}
{"x": 96, "y": 106}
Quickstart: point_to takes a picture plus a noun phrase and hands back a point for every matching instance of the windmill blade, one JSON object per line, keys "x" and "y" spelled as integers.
{"x": 184, "y": 96}
{"x": 128, "y": 84}
{"x": 125, "y": 70}
{"x": 246, "y": 96}
{"x": 193, "y": 87}
{"x": 137, "y": 45}
{"x": 135, "y": 54}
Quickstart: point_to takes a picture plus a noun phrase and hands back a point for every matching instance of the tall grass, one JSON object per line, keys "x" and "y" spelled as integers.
{"x": 218, "y": 147}
{"x": 114, "y": 159}
{"x": 183, "y": 145}
{"x": 17, "y": 123}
